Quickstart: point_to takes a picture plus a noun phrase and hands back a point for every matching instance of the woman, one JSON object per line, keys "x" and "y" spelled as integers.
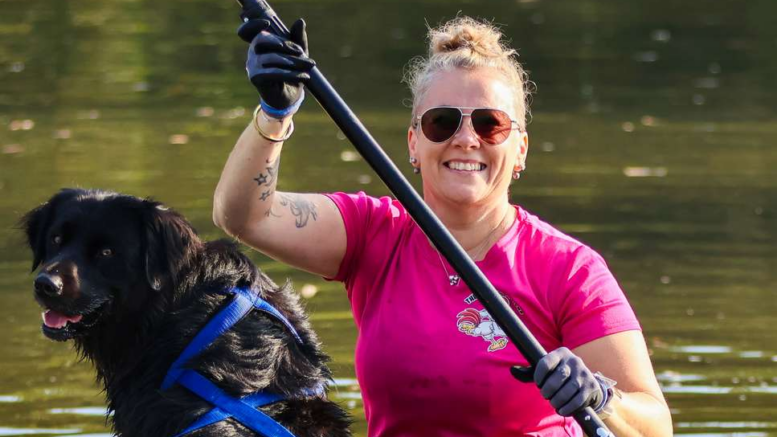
{"x": 429, "y": 359}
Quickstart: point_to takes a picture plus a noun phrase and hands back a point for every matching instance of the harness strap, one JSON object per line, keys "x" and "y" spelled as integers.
{"x": 217, "y": 414}
{"x": 244, "y": 409}
{"x": 244, "y": 300}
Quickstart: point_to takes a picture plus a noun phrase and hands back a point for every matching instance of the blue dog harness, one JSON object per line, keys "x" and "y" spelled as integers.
{"x": 244, "y": 409}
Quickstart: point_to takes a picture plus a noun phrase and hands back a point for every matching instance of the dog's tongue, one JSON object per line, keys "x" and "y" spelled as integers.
{"x": 56, "y": 320}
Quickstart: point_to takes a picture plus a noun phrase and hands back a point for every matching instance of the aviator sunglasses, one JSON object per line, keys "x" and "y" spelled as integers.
{"x": 439, "y": 124}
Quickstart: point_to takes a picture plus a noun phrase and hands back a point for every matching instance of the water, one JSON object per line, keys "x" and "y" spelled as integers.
{"x": 652, "y": 139}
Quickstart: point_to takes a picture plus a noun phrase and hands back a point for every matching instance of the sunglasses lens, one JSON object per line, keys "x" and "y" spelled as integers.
{"x": 492, "y": 125}
{"x": 439, "y": 124}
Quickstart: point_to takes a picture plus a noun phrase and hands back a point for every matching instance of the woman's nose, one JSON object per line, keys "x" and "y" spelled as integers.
{"x": 466, "y": 136}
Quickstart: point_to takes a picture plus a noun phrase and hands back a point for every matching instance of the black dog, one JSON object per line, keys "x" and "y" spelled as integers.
{"x": 131, "y": 283}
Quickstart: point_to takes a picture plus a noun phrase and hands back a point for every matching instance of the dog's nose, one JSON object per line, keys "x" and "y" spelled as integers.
{"x": 48, "y": 285}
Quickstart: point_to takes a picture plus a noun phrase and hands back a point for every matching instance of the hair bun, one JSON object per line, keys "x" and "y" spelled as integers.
{"x": 466, "y": 33}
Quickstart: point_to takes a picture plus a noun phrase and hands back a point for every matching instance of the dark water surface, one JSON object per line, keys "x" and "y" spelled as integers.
{"x": 653, "y": 140}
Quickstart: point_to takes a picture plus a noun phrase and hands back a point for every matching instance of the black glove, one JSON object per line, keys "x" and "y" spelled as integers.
{"x": 564, "y": 380}
{"x": 277, "y": 66}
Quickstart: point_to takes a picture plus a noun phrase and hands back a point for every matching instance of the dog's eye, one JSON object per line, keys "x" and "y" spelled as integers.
{"x": 56, "y": 239}
{"x": 106, "y": 252}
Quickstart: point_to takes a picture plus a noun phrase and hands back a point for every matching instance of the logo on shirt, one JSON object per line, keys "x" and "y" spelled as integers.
{"x": 478, "y": 323}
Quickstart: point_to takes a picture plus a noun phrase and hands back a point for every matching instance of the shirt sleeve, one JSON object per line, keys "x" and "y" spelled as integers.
{"x": 369, "y": 225}
{"x": 591, "y": 304}
{"x": 350, "y": 207}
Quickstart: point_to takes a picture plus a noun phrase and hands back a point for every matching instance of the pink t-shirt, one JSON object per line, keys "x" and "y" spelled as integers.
{"x": 429, "y": 360}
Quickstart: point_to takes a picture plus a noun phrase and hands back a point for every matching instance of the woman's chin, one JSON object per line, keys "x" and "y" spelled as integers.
{"x": 458, "y": 192}
{"x": 463, "y": 196}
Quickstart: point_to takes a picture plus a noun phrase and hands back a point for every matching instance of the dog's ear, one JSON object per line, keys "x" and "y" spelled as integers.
{"x": 170, "y": 241}
{"x": 37, "y": 222}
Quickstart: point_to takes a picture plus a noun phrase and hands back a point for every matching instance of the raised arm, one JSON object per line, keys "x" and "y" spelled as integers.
{"x": 303, "y": 230}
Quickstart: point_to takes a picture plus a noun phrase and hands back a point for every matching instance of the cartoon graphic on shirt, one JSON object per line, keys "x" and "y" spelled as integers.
{"x": 478, "y": 323}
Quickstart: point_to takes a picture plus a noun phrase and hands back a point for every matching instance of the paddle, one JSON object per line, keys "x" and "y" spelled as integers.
{"x": 390, "y": 175}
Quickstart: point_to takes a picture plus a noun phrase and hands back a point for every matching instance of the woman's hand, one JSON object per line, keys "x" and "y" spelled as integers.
{"x": 564, "y": 380}
{"x": 277, "y": 66}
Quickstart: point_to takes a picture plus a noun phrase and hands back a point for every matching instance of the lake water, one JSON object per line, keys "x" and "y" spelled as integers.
{"x": 652, "y": 139}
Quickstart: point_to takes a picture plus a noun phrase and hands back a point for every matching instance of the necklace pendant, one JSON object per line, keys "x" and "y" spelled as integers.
{"x": 454, "y": 279}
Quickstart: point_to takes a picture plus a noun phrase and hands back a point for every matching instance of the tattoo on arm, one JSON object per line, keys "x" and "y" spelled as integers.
{"x": 268, "y": 179}
{"x": 302, "y": 209}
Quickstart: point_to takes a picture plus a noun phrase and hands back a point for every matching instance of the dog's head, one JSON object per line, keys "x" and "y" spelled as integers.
{"x": 102, "y": 257}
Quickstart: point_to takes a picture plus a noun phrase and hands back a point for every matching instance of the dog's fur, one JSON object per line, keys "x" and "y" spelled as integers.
{"x": 142, "y": 284}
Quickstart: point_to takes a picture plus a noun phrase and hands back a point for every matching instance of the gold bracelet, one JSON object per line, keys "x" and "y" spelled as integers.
{"x": 285, "y": 137}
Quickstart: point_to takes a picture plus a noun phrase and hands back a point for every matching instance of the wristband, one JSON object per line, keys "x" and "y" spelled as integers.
{"x": 282, "y": 113}
{"x": 605, "y": 409}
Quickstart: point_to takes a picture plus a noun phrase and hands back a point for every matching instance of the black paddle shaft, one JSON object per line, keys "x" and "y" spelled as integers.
{"x": 350, "y": 125}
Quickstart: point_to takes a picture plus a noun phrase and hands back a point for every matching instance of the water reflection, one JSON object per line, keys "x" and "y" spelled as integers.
{"x": 82, "y": 411}
{"x": 32, "y": 431}
{"x": 701, "y": 349}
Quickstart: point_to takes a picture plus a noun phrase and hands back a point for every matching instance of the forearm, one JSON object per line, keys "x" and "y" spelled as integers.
{"x": 639, "y": 415}
{"x": 246, "y": 189}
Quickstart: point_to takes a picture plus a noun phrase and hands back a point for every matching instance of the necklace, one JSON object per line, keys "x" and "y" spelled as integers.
{"x": 454, "y": 280}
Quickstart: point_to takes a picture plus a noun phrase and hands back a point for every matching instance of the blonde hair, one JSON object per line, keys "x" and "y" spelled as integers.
{"x": 468, "y": 44}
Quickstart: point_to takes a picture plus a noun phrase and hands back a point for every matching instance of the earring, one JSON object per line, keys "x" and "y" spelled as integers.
{"x": 413, "y": 162}
{"x": 517, "y": 172}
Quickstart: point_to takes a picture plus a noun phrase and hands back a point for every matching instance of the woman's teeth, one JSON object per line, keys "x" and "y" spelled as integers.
{"x": 465, "y": 166}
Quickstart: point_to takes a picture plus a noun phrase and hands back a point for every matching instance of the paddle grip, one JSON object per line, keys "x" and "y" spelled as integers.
{"x": 374, "y": 155}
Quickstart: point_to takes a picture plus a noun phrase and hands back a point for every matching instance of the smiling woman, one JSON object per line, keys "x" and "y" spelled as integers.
{"x": 429, "y": 359}
{"x": 466, "y": 168}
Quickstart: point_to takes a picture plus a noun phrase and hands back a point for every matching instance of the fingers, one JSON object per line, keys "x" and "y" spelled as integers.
{"x": 277, "y": 75}
{"x": 262, "y": 40}
{"x": 555, "y": 381}
{"x": 266, "y": 42}
{"x": 575, "y": 395}
{"x": 548, "y": 364}
{"x": 566, "y": 382}
{"x": 286, "y": 62}
{"x": 269, "y": 43}
{"x": 567, "y": 404}
{"x": 248, "y": 30}
{"x": 272, "y": 67}
{"x": 298, "y": 34}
